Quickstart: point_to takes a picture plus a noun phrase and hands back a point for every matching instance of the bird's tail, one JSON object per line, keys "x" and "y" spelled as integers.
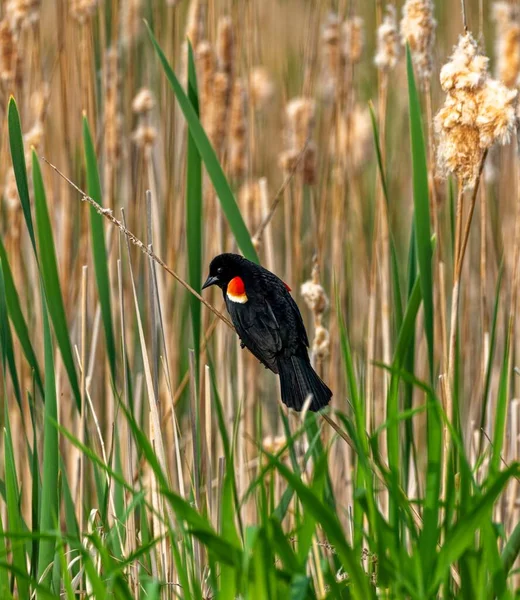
{"x": 298, "y": 380}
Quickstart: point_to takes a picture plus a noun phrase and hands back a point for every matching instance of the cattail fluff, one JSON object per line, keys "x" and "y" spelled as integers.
{"x": 388, "y": 42}
{"x": 205, "y": 64}
{"x": 478, "y": 112}
{"x": 22, "y": 13}
{"x": 300, "y": 113}
{"x": 145, "y": 134}
{"x": 507, "y": 45}
{"x": 82, "y": 10}
{"x": 418, "y": 29}
{"x": 131, "y": 21}
{"x": 250, "y": 203}
{"x": 217, "y": 122}
{"x": 112, "y": 116}
{"x": 261, "y": 88}
{"x": 8, "y": 53}
{"x": 316, "y": 299}
{"x": 354, "y": 143}
{"x": 333, "y": 56}
{"x": 194, "y": 23}
{"x": 353, "y": 39}
{"x": 238, "y": 132}
{"x": 226, "y": 46}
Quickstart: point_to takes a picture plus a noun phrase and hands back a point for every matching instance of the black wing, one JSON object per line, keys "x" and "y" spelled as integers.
{"x": 258, "y": 329}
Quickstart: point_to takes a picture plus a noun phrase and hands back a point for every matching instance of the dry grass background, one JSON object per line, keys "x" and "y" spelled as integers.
{"x": 266, "y": 85}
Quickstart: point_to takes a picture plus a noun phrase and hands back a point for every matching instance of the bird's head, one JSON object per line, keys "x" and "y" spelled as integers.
{"x": 223, "y": 269}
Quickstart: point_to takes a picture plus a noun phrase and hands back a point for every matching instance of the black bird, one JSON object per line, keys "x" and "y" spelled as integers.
{"x": 270, "y": 325}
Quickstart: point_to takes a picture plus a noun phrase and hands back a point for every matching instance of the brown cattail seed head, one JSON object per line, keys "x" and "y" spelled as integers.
{"x": 353, "y": 39}
{"x": 333, "y": 56}
{"x": 8, "y": 53}
{"x": 261, "y": 87}
{"x": 143, "y": 102}
{"x": 353, "y": 143}
{"x": 225, "y": 45}
{"x": 82, "y": 10}
{"x": 205, "y": 63}
{"x": 194, "y": 23}
{"x": 418, "y": 29}
{"x": 310, "y": 164}
{"x": 388, "y": 42}
{"x": 33, "y": 137}
{"x": 22, "y": 13}
{"x": 507, "y": 46}
{"x": 238, "y": 132}
{"x": 288, "y": 160}
{"x": 300, "y": 116}
{"x": 144, "y": 136}
{"x": 131, "y": 21}
{"x": 478, "y": 112}
{"x": 217, "y": 121}
{"x": 314, "y": 296}
{"x": 321, "y": 342}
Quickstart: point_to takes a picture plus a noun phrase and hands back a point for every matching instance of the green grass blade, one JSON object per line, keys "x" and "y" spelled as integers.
{"x": 51, "y": 460}
{"x": 511, "y": 549}
{"x": 51, "y": 281}
{"x": 194, "y": 216}
{"x": 99, "y": 250}
{"x": 7, "y": 341}
{"x": 213, "y": 167}
{"x": 17, "y": 318}
{"x": 421, "y": 208}
{"x": 19, "y": 166}
{"x": 501, "y": 410}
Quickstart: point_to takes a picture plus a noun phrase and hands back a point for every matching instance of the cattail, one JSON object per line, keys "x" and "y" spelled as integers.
{"x": 353, "y": 39}
{"x": 143, "y": 102}
{"x": 39, "y": 101}
{"x": 288, "y": 159}
{"x": 217, "y": 124}
{"x": 250, "y": 203}
{"x": 205, "y": 63}
{"x": 478, "y": 112}
{"x": 353, "y": 144}
{"x": 82, "y": 10}
{"x": 33, "y": 137}
{"x": 418, "y": 29}
{"x": 22, "y": 13}
{"x": 194, "y": 23}
{"x": 131, "y": 21}
{"x": 111, "y": 108}
{"x": 309, "y": 164}
{"x": 238, "y": 132}
{"x": 316, "y": 299}
{"x": 144, "y": 136}
{"x": 388, "y": 43}
{"x": 333, "y": 55}
{"x": 8, "y": 53}
{"x": 226, "y": 46}
{"x": 300, "y": 116}
{"x": 261, "y": 88}
{"x": 507, "y": 46}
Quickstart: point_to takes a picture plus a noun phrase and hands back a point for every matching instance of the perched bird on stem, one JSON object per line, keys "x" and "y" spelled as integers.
{"x": 270, "y": 325}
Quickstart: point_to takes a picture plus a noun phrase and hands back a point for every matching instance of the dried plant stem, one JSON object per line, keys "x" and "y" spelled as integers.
{"x": 464, "y": 20}
{"x": 107, "y": 213}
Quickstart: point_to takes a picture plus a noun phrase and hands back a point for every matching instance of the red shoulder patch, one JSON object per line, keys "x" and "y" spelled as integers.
{"x": 236, "y": 287}
{"x": 287, "y": 287}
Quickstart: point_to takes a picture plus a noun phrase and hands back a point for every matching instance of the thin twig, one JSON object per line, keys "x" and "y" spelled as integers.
{"x": 279, "y": 194}
{"x": 107, "y": 213}
{"x": 464, "y": 21}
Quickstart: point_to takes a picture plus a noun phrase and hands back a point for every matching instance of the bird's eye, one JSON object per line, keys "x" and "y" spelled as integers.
{"x": 219, "y": 270}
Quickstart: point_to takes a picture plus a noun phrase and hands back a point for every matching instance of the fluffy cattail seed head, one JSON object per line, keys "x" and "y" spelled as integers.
{"x": 238, "y": 132}
{"x": 321, "y": 342}
{"x": 144, "y": 136}
{"x": 226, "y": 45}
{"x": 82, "y": 10}
{"x": 205, "y": 63}
{"x": 353, "y": 143}
{"x": 194, "y": 23}
{"x": 261, "y": 86}
{"x": 388, "y": 42}
{"x": 131, "y": 21}
{"x": 314, "y": 295}
{"x": 143, "y": 102}
{"x": 22, "y": 13}
{"x": 507, "y": 45}
{"x": 300, "y": 116}
{"x": 333, "y": 55}
{"x": 418, "y": 29}
{"x": 310, "y": 164}
{"x": 478, "y": 112}
{"x": 8, "y": 54}
{"x": 353, "y": 39}
{"x": 218, "y": 119}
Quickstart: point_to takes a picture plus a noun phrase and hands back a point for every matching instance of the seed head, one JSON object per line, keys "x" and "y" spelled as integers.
{"x": 353, "y": 142}
{"x": 218, "y": 118}
{"x": 300, "y": 116}
{"x": 8, "y": 54}
{"x": 321, "y": 342}
{"x": 353, "y": 39}
{"x": 143, "y": 102}
{"x": 226, "y": 45}
{"x": 418, "y": 29}
{"x": 205, "y": 63}
{"x": 144, "y": 136}
{"x": 22, "y": 13}
{"x": 82, "y": 10}
{"x": 478, "y": 112}
{"x": 261, "y": 86}
{"x": 238, "y": 132}
{"x": 388, "y": 42}
{"x": 314, "y": 295}
{"x": 507, "y": 45}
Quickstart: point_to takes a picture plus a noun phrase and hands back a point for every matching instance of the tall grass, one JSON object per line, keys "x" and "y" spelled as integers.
{"x": 145, "y": 455}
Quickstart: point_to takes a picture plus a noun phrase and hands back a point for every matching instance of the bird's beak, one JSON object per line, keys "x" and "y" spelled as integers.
{"x": 211, "y": 280}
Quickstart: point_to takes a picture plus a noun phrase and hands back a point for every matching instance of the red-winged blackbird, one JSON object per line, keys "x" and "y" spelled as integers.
{"x": 270, "y": 325}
